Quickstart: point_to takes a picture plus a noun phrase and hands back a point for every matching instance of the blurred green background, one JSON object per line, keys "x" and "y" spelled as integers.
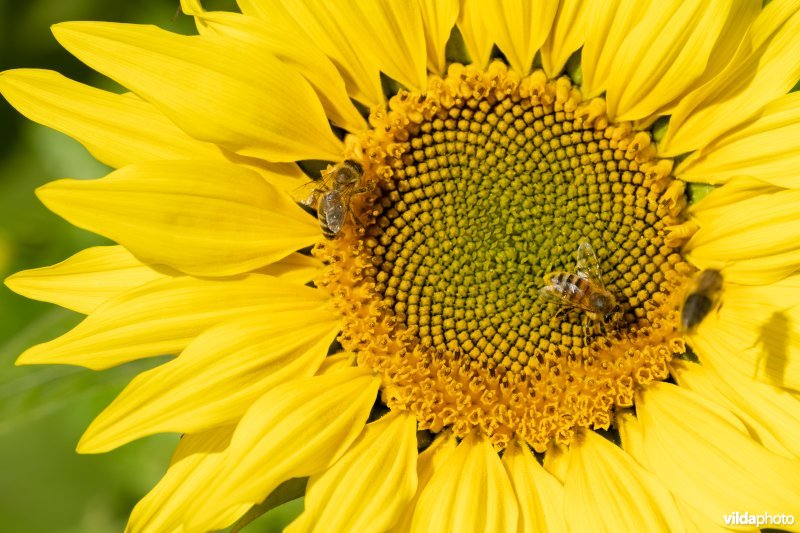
{"x": 45, "y": 485}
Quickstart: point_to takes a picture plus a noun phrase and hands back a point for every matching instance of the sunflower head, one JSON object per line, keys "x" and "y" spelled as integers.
{"x": 482, "y": 189}
{"x": 487, "y": 331}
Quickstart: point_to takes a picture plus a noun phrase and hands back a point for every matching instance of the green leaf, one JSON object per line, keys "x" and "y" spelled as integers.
{"x": 698, "y": 191}
{"x": 455, "y": 50}
{"x": 574, "y": 69}
{"x": 659, "y": 128}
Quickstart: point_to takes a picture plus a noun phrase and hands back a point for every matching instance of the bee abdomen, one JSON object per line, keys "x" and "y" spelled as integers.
{"x": 696, "y": 307}
{"x": 569, "y": 282}
{"x": 560, "y": 277}
{"x": 327, "y": 232}
{"x": 354, "y": 168}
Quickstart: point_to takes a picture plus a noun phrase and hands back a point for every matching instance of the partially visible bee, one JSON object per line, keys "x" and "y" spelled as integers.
{"x": 702, "y": 296}
{"x": 584, "y": 289}
{"x": 331, "y": 195}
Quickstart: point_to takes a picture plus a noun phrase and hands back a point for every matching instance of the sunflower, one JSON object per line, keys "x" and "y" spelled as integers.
{"x": 392, "y": 358}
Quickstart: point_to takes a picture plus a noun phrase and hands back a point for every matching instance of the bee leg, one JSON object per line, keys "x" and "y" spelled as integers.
{"x": 560, "y": 311}
{"x": 587, "y": 329}
{"x": 355, "y": 218}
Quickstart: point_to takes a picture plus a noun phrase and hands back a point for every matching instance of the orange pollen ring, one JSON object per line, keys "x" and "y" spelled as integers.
{"x": 481, "y": 188}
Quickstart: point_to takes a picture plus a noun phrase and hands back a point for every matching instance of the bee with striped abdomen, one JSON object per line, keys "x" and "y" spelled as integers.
{"x": 331, "y": 195}
{"x": 584, "y": 289}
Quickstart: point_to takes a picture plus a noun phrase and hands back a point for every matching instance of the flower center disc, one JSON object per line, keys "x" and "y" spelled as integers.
{"x": 483, "y": 186}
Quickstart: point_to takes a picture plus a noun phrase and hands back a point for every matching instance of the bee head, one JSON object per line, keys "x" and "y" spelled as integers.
{"x": 348, "y": 173}
{"x": 353, "y": 165}
{"x": 353, "y": 168}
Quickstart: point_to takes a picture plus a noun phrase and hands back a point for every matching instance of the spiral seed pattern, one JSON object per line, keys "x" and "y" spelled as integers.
{"x": 484, "y": 185}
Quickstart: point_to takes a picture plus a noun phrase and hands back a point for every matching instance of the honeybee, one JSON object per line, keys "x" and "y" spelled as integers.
{"x": 702, "y": 296}
{"x": 331, "y": 195}
{"x": 584, "y": 289}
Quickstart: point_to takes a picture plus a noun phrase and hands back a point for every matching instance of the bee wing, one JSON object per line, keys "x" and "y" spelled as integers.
{"x": 549, "y": 293}
{"x": 561, "y": 294}
{"x": 587, "y": 266}
{"x": 707, "y": 281}
{"x": 558, "y": 292}
{"x": 331, "y": 211}
{"x": 308, "y": 193}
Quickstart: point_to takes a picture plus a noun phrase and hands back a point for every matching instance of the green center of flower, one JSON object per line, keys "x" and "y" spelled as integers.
{"x": 484, "y": 188}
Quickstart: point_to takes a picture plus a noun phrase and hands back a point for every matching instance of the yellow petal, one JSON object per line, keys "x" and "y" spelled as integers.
{"x": 771, "y": 414}
{"x": 743, "y": 13}
{"x": 337, "y": 362}
{"x": 767, "y": 148}
{"x": 475, "y": 33}
{"x": 193, "y": 467}
{"x": 216, "y": 378}
{"x": 163, "y": 316}
{"x": 194, "y": 8}
{"x": 471, "y": 492}
{"x": 295, "y": 268}
{"x": 400, "y": 50}
{"x": 297, "y": 429}
{"x": 519, "y": 27}
{"x": 556, "y": 461}
{"x": 754, "y": 271}
{"x": 540, "y": 495}
{"x": 367, "y": 489}
{"x": 116, "y": 129}
{"x": 285, "y": 177}
{"x": 87, "y": 279}
{"x": 438, "y": 18}
{"x": 607, "y": 490}
{"x": 768, "y": 235}
{"x": 223, "y": 91}
{"x": 697, "y": 522}
{"x": 202, "y": 218}
{"x": 317, "y": 21}
{"x": 607, "y": 25}
{"x": 630, "y": 434}
{"x": 630, "y": 431}
{"x": 699, "y": 450}
{"x": 766, "y": 65}
{"x": 766, "y": 269}
{"x": 429, "y": 462}
{"x": 668, "y": 52}
{"x": 294, "y": 51}
{"x": 755, "y": 333}
{"x": 719, "y": 199}
{"x": 567, "y": 35}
